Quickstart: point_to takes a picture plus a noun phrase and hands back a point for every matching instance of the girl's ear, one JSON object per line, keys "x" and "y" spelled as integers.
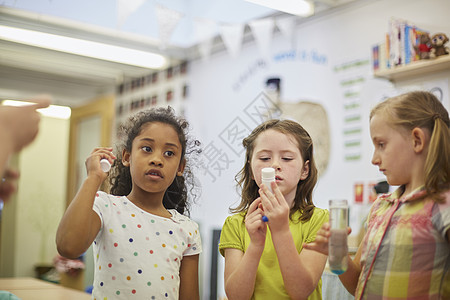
{"x": 125, "y": 158}
{"x": 418, "y": 139}
{"x": 305, "y": 170}
{"x": 181, "y": 167}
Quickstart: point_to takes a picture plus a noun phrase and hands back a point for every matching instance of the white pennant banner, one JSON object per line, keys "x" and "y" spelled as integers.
{"x": 262, "y": 32}
{"x": 232, "y": 35}
{"x": 287, "y": 26}
{"x": 205, "y": 30}
{"x": 125, "y": 8}
{"x": 167, "y": 21}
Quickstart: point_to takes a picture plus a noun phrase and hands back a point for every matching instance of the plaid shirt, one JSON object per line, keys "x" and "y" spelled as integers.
{"x": 405, "y": 252}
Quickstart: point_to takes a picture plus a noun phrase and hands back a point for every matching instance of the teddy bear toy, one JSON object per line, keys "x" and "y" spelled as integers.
{"x": 438, "y": 47}
{"x": 424, "y": 47}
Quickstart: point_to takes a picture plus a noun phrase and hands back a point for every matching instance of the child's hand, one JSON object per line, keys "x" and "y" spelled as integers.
{"x": 321, "y": 243}
{"x": 275, "y": 208}
{"x": 93, "y": 161}
{"x": 256, "y": 228}
{"x": 8, "y": 184}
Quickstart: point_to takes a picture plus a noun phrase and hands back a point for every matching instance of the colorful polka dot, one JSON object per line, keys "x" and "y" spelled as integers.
{"x": 133, "y": 291}
{"x": 111, "y": 231}
{"x": 117, "y": 292}
{"x": 131, "y": 240}
{"x": 133, "y": 215}
{"x": 149, "y": 283}
{"x": 139, "y": 225}
{"x": 110, "y": 265}
{"x": 135, "y": 254}
{"x": 139, "y": 271}
{"x": 153, "y": 221}
{"x": 170, "y": 232}
{"x": 128, "y": 277}
{"x": 151, "y": 251}
{"x": 164, "y": 245}
{"x": 124, "y": 226}
{"x": 115, "y": 244}
{"x": 121, "y": 259}
{"x": 162, "y": 277}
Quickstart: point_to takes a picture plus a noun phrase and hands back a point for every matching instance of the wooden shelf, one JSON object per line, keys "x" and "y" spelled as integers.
{"x": 415, "y": 69}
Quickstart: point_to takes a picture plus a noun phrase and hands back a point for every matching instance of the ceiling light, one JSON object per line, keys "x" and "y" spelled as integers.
{"x": 301, "y": 8}
{"x": 54, "y": 111}
{"x": 83, "y": 47}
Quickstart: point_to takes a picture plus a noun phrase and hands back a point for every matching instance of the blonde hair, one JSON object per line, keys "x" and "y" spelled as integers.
{"x": 303, "y": 196}
{"x": 420, "y": 109}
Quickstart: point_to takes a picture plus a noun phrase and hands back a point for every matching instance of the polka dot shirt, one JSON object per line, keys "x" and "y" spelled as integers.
{"x": 138, "y": 255}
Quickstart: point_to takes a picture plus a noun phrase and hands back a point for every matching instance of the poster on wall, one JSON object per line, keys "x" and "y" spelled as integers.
{"x": 352, "y": 75}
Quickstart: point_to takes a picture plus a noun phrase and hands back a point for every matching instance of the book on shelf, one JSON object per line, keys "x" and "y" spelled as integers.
{"x": 400, "y": 46}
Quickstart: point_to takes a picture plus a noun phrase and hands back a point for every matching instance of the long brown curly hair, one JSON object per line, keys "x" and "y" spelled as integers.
{"x": 303, "y": 197}
{"x": 177, "y": 195}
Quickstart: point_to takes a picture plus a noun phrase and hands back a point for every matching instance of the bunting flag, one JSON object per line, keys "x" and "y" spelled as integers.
{"x": 205, "y": 30}
{"x": 232, "y": 35}
{"x": 125, "y": 8}
{"x": 287, "y": 26}
{"x": 167, "y": 21}
{"x": 262, "y": 30}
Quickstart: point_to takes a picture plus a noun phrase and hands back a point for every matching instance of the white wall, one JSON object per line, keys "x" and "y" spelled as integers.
{"x": 337, "y": 38}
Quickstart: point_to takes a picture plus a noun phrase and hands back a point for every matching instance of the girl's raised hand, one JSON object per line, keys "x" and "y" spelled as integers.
{"x": 275, "y": 208}
{"x": 256, "y": 228}
{"x": 93, "y": 161}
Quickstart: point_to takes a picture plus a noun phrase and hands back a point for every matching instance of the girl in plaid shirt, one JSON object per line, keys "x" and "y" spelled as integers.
{"x": 405, "y": 253}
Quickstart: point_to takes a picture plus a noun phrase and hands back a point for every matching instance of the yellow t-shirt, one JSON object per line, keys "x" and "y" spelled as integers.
{"x": 269, "y": 281}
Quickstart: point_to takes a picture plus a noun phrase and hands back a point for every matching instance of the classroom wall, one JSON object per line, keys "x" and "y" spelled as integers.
{"x": 326, "y": 51}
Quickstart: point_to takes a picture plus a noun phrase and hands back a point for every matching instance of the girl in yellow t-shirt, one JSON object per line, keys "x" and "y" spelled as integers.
{"x": 262, "y": 242}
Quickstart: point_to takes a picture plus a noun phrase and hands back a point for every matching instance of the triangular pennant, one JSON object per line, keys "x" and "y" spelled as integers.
{"x": 167, "y": 21}
{"x": 286, "y": 26}
{"x": 125, "y": 8}
{"x": 262, "y": 30}
{"x": 232, "y": 35}
{"x": 205, "y": 30}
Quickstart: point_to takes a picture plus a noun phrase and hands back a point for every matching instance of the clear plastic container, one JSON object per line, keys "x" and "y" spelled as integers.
{"x": 337, "y": 243}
